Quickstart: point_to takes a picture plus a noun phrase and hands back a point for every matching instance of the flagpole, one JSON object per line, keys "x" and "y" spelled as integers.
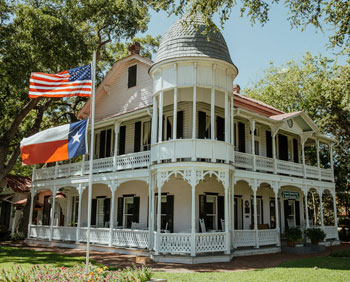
{"x": 92, "y": 132}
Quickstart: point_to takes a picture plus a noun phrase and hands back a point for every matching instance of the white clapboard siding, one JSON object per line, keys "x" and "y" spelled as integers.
{"x": 120, "y": 98}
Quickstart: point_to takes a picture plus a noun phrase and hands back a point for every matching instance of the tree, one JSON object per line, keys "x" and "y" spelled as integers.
{"x": 321, "y": 88}
{"x": 333, "y": 13}
{"x": 51, "y": 36}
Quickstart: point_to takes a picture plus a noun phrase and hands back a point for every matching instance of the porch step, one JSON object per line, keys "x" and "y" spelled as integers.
{"x": 93, "y": 247}
{"x": 257, "y": 251}
{"x": 187, "y": 259}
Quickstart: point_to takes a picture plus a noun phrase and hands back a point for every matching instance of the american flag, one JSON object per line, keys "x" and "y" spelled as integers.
{"x": 74, "y": 82}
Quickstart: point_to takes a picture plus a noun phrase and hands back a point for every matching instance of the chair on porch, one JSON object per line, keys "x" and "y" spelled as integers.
{"x": 202, "y": 225}
{"x": 165, "y": 230}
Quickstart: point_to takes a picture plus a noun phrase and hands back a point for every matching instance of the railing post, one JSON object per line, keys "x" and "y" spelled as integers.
{"x": 80, "y": 192}
{"x": 52, "y": 213}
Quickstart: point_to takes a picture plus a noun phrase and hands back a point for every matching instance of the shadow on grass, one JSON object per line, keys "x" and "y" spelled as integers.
{"x": 326, "y": 262}
{"x": 23, "y": 256}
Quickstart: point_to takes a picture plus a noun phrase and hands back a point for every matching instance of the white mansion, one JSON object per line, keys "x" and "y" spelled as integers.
{"x": 186, "y": 165}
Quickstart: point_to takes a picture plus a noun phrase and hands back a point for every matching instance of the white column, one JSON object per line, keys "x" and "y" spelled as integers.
{"x": 150, "y": 212}
{"x": 318, "y": 158}
{"x": 305, "y": 190}
{"x": 68, "y": 216}
{"x": 320, "y": 194}
{"x": 212, "y": 113}
{"x": 273, "y": 135}
{"x": 193, "y": 219}
{"x": 252, "y": 129}
{"x": 52, "y": 213}
{"x": 227, "y": 119}
{"x": 303, "y": 155}
{"x": 116, "y": 139}
{"x": 158, "y": 217}
{"x": 153, "y": 188}
{"x": 194, "y": 112}
{"x": 227, "y": 219}
{"x": 160, "y": 122}
{"x": 154, "y": 121}
{"x": 113, "y": 188}
{"x": 331, "y": 159}
{"x": 175, "y": 115}
{"x": 255, "y": 187}
{"x": 275, "y": 189}
{"x": 335, "y": 213}
{"x": 80, "y": 191}
{"x": 232, "y": 124}
{"x": 32, "y": 195}
{"x": 233, "y": 212}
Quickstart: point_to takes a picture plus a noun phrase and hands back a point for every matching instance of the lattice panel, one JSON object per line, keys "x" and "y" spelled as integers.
{"x": 175, "y": 243}
{"x": 210, "y": 242}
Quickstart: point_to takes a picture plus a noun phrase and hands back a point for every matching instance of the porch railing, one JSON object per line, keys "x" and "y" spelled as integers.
{"x": 267, "y": 237}
{"x": 176, "y": 243}
{"x": 40, "y": 231}
{"x": 331, "y": 232}
{"x": 210, "y": 242}
{"x": 64, "y": 233}
{"x": 244, "y": 238}
{"x": 130, "y": 238}
{"x": 129, "y": 161}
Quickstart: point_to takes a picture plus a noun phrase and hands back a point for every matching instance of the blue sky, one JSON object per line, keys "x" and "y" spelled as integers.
{"x": 252, "y": 48}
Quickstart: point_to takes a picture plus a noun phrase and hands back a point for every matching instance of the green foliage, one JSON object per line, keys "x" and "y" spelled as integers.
{"x": 19, "y": 236}
{"x": 320, "y": 87}
{"x": 341, "y": 254}
{"x": 293, "y": 235}
{"x": 315, "y": 234}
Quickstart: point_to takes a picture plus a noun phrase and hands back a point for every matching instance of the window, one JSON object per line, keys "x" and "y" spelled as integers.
{"x": 167, "y": 212}
{"x": 211, "y": 212}
{"x": 259, "y": 212}
{"x": 100, "y": 213}
{"x": 103, "y": 148}
{"x": 128, "y": 211}
{"x": 132, "y": 73}
{"x": 163, "y": 216}
{"x": 211, "y": 209}
{"x": 146, "y": 136}
{"x": 75, "y": 206}
{"x": 272, "y": 213}
{"x": 256, "y": 147}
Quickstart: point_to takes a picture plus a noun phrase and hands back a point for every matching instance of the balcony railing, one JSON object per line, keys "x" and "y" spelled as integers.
{"x": 130, "y": 161}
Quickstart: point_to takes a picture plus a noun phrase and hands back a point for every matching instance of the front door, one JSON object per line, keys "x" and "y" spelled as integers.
{"x": 291, "y": 213}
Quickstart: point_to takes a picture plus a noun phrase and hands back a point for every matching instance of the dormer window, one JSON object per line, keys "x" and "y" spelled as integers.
{"x": 132, "y": 71}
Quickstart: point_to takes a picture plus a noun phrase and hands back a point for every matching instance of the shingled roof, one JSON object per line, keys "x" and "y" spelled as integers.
{"x": 19, "y": 183}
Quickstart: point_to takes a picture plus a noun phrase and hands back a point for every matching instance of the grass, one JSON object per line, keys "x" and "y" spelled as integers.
{"x": 10, "y": 256}
{"x": 341, "y": 253}
{"x": 327, "y": 269}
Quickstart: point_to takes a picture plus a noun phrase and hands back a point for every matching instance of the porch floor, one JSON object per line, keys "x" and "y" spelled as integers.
{"x": 123, "y": 260}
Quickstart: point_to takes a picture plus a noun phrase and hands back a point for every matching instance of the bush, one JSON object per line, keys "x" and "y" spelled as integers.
{"x": 341, "y": 254}
{"x": 17, "y": 236}
{"x": 293, "y": 235}
{"x": 315, "y": 235}
{"x": 41, "y": 273}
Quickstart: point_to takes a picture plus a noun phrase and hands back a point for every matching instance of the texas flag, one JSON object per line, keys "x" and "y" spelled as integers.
{"x": 55, "y": 144}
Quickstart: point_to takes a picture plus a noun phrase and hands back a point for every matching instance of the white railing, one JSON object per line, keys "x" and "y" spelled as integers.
{"x": 331, "y": 232}
{"x": 326, "y": 174}
{"x": 312, "y": 172}
{"x": 64, "y": 233}
{"x": 244, "y": 238}
{"x": 129, "y": 161}
{"x": 130, "y": 238}
{"x": 243, "y": 160}
{"x": 97, "y": 235}
{"x": 264, "y": 163}
{"x": 267, "y": 237}
{"x": 210, "y": 242}
{"x": 290, "y": 168}
{"x": 177, "y": 243}
{"x": 193, "y": 149}
{"x": 40, "y": 231}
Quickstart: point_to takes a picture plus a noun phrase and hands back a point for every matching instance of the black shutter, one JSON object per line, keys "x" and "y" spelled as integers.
{"x": 297, "y": 213}
{"x": 241, "y": 137}
{"x": 137, "y": 137}
{"x": 286, "y": 213}
{"x": 202, "y": 201}
{"x": 220, "y": 128}
{"x": 170, "y": 212}
{"x": 120, "y": 211}
{"x": 295, "y": 150}
{"x": 108, "y": 143}
{"x": 283, "y": 147}
{"x": 102, "y": 144}
{"x": 201, "y": 125}
{"x": 132, "y": 71}
{"x": 93, "y": 211}
{"x": 221, "y": 211}
{"x": 268, "y": 144}
{"x": 106, "y": 210}
{"x": 180, "y": 125}
{"x": 136, "y": 213}
{"x": 262, "y": 211}
{"x": 122, "y": 140}
{"x": 168, "y": 129}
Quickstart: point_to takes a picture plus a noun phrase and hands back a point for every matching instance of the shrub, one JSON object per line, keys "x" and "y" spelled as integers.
{"x": 341, "y": 254}
{"x": 293, "y": 235}
{"x": 315, "y": 235}
{"x": 17, "y": 236}
{"x": 41, "y": 273}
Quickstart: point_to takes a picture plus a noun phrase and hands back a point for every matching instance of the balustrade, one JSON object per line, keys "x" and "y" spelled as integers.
{"x": 244, "y": 238}
{"x": 177, "y": 243}
{"x": 267, "y": 237}
{"x": 210, "y": 242}
{"x": 331, "y": 232}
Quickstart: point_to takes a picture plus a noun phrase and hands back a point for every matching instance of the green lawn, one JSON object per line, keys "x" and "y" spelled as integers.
{"x": 329, "y": 269}
{"x": 10, "y": 256}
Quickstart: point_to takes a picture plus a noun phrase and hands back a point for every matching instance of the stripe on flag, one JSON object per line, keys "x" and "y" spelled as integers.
{"x": 74, "y": 82}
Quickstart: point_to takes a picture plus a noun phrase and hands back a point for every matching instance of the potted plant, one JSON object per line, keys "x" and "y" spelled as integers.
{"x": 315, "y": 235}
{"x": 293, "y": 235}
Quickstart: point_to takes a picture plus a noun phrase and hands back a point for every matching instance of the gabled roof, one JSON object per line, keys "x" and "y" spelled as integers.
{"x": 302, "y": 118}
{"x": 108, "y": 80}
{"x": 19, "y": 183}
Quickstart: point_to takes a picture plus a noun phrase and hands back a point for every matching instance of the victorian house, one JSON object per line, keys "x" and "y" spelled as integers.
{"x": 185, "y": 167}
